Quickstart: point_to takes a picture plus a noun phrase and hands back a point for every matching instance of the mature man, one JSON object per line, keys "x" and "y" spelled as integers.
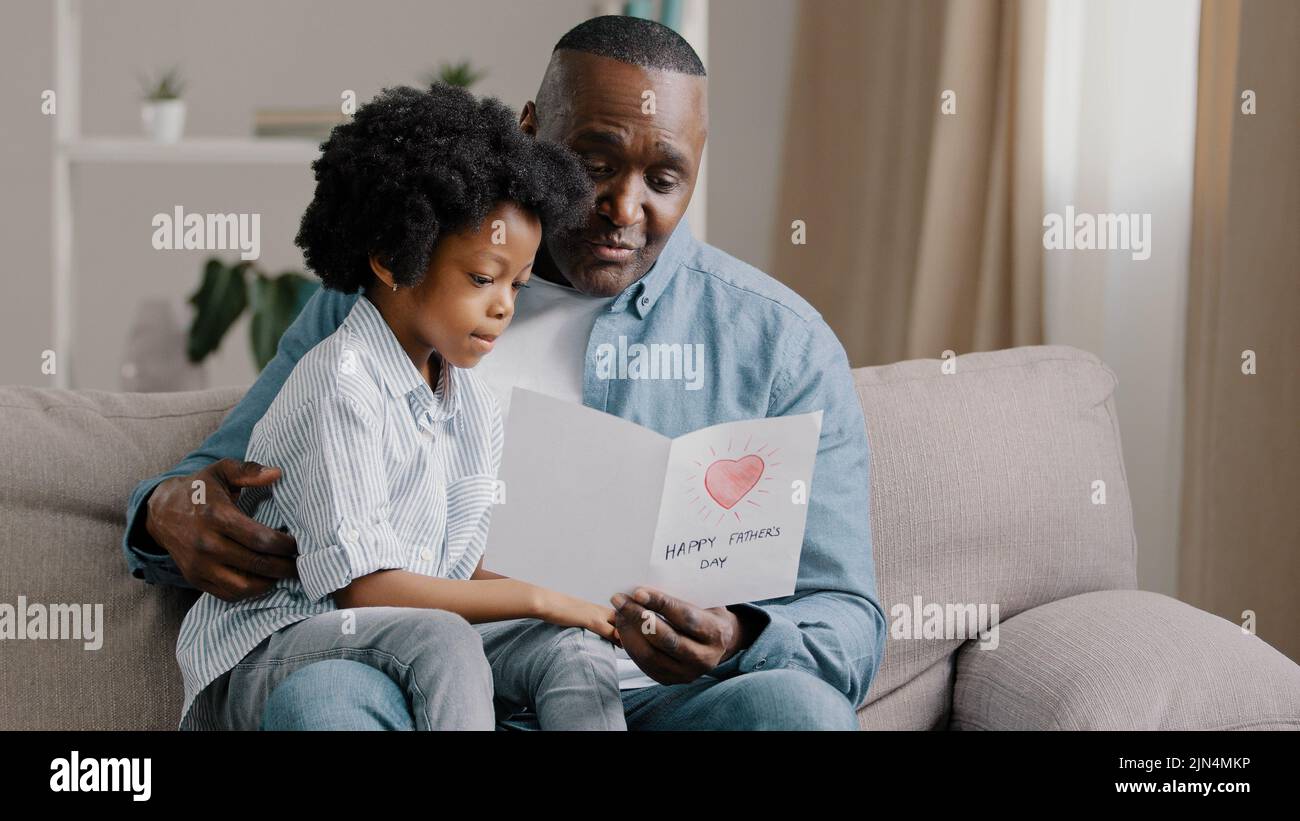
{"x": 630, "y": 97}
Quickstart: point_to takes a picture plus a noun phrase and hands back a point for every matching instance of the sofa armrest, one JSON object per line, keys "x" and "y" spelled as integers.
{"x": 1123, "y": 660}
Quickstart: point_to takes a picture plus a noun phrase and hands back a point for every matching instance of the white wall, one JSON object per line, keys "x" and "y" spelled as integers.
{"x": 1120, "y": 99}
{"x": 751, "y": 44}
{"x": 26, "y": 307}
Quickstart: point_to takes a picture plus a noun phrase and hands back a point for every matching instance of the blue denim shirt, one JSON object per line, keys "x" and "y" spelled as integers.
{"x": 767, "y": 352}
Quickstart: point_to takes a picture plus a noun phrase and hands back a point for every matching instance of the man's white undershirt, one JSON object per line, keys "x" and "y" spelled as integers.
{"x": 544, "y": 350}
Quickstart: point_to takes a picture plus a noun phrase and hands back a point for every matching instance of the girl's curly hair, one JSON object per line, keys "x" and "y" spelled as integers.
{"x": 414, "y": 165}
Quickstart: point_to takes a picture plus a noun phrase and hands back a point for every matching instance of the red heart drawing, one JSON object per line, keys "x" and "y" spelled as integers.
{"x": 728, "y": 480}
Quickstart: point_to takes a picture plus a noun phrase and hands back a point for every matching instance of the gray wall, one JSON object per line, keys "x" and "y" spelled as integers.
{"x": 26, "y": 306}
{"x": 751, "y": 47}
{"x": 243, "y": 54}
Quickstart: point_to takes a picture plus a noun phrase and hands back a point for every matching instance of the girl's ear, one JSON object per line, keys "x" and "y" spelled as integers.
{"x": 381, "y": 273}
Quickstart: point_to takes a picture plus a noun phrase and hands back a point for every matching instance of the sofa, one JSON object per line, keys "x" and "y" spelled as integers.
{"x": 984, "y": 491}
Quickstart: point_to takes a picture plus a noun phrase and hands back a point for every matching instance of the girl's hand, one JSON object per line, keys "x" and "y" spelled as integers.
{"x": 569, "y": 611}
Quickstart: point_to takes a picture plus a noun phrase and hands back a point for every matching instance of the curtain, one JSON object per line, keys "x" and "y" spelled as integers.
{"x": 1240, "y": 529}
{"x": 922, "y": 229}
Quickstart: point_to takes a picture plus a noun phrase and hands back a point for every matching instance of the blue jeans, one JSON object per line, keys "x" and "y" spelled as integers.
{"x": 363, "y": 698}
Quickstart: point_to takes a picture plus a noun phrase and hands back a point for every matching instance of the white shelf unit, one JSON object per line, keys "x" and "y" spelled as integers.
{"x": 242, "y": 150}
{"x": 72, "y": 149}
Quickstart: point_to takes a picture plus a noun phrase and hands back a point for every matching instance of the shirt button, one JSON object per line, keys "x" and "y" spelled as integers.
{"x": 353, "y": 535}
{"x": 645, "y": 300}
{"x": 426, "y": 554}
{"x": 760, "y": 663}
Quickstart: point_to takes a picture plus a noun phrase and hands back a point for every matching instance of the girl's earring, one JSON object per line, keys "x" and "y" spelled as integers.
{"x": 394, "y": 286}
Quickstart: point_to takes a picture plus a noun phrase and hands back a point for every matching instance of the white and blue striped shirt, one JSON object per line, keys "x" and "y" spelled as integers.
{"x": 380, "y": 471}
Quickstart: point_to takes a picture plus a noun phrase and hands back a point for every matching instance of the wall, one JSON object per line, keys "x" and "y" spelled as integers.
{"x": 26, "y": 308}
{"x": 751, "y": 45}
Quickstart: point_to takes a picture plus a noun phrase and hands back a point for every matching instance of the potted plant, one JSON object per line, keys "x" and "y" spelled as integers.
{"x": 163, "y": 110}
{"x": 461, "y": 74}
{"x": 224, "y": 294}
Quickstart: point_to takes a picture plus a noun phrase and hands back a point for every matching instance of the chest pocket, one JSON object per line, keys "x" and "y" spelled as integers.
{"x": 468, "y": 501}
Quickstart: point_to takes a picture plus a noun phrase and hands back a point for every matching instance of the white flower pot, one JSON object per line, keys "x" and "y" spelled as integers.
{"x": 164, "y": 120}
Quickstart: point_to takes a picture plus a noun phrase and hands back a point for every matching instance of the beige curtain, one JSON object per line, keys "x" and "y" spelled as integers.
{"x": 923, "y": 229}
{"x": 1240, "y": 537}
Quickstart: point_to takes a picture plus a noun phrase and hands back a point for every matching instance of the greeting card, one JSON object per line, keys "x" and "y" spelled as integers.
{"x": 591, "y": 504}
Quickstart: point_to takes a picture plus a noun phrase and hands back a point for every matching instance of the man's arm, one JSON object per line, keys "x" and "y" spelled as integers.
{"x": 833, "y": 626}
{"x": 320, "y": 317}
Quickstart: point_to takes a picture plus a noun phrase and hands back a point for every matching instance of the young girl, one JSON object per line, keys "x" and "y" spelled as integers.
{"x": 430, "y": 203}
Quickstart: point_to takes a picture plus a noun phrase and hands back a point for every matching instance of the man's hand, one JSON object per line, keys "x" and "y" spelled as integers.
{"x": 674, "y": 642}
{"x": 216, "y": 547}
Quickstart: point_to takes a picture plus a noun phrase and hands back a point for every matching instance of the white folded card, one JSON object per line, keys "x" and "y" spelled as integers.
{"x": 592, "y": 505}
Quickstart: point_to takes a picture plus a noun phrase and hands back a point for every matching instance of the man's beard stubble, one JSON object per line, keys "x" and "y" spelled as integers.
{"x": 575, "y": 266}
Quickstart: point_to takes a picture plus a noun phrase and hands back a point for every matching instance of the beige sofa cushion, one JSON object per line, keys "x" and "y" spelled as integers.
{"x": 981, "y": 493}
{"x": 71, "y": 460}
{"x": 1124, "y": 660}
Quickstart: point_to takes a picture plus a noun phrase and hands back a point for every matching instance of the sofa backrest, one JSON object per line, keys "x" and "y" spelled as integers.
{"x": 70, "y": 461}
{"x": 981, "y": 493}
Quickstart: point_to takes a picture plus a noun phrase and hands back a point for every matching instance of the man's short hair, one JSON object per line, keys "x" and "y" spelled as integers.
{"x": 636, "y": 41}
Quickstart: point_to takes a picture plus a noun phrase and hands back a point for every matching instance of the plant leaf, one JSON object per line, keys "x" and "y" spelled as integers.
{"x": 276, "y": 303}
{"x": 220, "y": 299}
{"x": 461, "y": 74}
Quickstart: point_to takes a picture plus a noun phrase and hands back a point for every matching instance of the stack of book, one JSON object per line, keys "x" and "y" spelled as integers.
{"x": 314, "y": 123}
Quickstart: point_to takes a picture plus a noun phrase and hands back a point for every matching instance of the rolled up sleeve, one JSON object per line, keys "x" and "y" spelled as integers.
{"x": 338, "y": 502}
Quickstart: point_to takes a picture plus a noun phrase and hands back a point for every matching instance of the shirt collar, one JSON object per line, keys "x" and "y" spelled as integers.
{"x": 645, "y": 292}
{"x": 398, "y": 373}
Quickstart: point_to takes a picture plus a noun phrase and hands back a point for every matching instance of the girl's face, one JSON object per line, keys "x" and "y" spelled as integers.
{"x": 467, "y": 296}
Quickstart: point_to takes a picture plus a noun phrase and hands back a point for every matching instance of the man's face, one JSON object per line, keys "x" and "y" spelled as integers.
{"x": 642, "y": 151}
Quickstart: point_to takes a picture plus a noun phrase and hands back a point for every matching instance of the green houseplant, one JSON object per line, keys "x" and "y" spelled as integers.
{"x": 163, "y": 111}
{"x": 166, "y": 85}
{"x": 226, "y": 291}
{"x": 461, "y": 74}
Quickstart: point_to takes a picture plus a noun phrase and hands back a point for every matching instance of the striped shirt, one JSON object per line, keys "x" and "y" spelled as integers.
{"x": 380, "y": 471}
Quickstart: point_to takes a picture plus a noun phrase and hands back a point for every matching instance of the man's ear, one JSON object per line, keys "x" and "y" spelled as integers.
{"x": 381, "y": 273}
{"x": 528, "y": 119}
